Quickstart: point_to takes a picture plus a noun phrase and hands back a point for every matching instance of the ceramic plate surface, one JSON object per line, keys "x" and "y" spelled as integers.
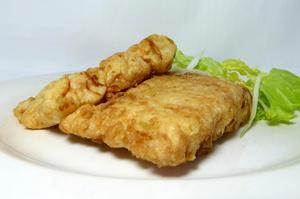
{"x": 264, "y": 151}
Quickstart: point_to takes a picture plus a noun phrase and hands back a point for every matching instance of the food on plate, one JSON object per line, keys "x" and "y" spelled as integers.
{"x": 131, "y": 101}
{"x": 153, "y": 55}
{"x": 276, "y": 94}
{"x": 166, "y": 119}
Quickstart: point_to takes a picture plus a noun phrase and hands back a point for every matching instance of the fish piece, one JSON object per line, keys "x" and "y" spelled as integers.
{"x": 153, "y": 55}
{"x": 167, "y": 119}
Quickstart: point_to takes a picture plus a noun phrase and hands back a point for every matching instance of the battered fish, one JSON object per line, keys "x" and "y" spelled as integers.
{"x": 153, "y": 55}
{"x": 166, "y": 119}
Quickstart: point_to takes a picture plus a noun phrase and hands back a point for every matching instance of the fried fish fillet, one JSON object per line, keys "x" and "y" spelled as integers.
{"x": 166, "y": 119}
{"x": 153, "y": 55}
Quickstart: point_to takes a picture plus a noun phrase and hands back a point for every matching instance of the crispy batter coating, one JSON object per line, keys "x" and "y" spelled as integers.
{"x": 153, "y": 55}
{"x": 166, "y": 119}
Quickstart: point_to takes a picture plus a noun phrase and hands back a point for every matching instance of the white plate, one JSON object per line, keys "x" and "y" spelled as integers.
{"x": 263, "y": 163}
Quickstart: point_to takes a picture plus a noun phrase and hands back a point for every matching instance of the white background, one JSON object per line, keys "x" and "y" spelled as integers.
{"x": 39, "y": 37}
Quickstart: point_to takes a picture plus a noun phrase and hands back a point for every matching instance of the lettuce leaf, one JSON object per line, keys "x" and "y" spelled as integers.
{"x": 211, "y": 66}
{"x": 278, "y": 92}
{"x": 182, "y": 60}
{"x": 281, "y": 90}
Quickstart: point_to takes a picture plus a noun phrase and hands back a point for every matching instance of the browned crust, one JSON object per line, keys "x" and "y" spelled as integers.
{"x": 114, "y": 74}
{"x": 166, "y": 119}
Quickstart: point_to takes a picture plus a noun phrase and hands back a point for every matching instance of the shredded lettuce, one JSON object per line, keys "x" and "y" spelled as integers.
{"x": 276, "y": 94}
{"x": 255, "y": 94}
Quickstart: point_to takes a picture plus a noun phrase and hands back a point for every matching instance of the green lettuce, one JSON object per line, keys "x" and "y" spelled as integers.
{"x": 276, "y": 94}
{"x": 280, "y": 96}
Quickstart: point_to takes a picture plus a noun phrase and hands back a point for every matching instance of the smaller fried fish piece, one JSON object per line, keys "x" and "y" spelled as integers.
{"x": 153, "y": 55}
{"x": 166, "y": 119}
